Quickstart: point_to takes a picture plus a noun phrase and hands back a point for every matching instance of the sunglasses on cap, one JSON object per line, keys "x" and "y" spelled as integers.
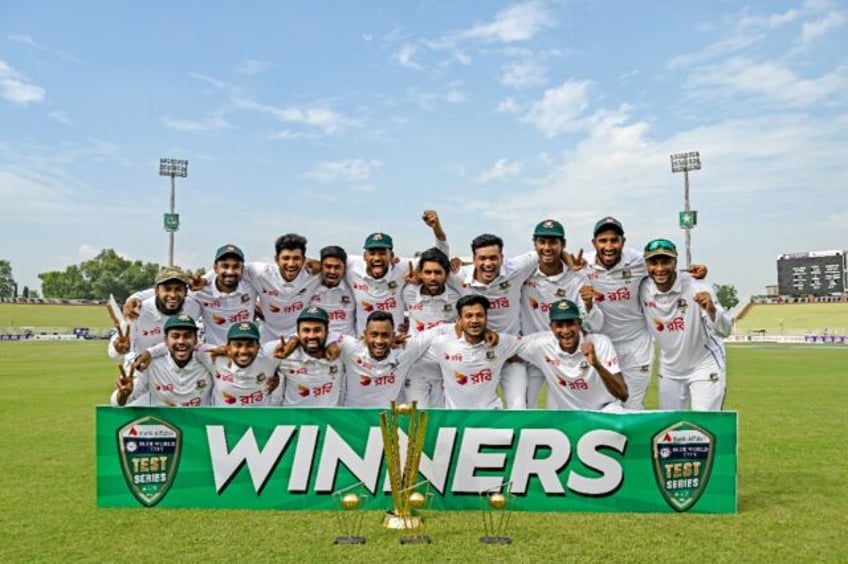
{"x": 658, "y": 244}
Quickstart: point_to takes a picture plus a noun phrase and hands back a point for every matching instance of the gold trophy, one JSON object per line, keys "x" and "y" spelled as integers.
{"x": 496, "y": 512}
{"x": 406, "y": 498}
{"x": 348, "y": 504}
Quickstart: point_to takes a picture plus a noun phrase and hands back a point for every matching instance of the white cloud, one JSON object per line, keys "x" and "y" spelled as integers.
{"x": 501, "y": 170}
{"x": 17, "y": 88}
{"x": 349, "y": 170}
{"x": 251, "y": 67}
{"x": 813, "y": 30}
{"x": 508, "y": 105}
{"x": 60, "y": 116}
{"x": 559, "y": 109}
{"x": 524, "y": 74}
{"x": 449, "y": 94}
{"x": 210, "y": 123}
{"x": 520, "y": 22}
{"x": 316, "y": 115}
{"x": 768, "y": 80}
{"x": 404, "y": 57}
{"x": 286, "y": 135}
{"x": 209, "y": 80}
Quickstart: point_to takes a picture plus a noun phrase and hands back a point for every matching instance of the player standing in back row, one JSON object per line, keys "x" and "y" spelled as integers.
{"x": 688, "y": 325}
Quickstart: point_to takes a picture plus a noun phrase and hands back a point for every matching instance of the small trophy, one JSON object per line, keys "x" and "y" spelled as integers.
{"x": 497, "y": 508}
{"x": 348, "y": 504}
{"x": 418, "y": 504}
{"x": 402, "y": 479}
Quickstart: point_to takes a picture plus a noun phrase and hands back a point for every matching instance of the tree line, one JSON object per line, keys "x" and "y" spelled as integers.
{"x": 107, "y": 273}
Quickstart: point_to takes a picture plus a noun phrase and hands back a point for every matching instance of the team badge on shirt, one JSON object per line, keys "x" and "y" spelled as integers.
{"x": 490, "y": 355}
{"x": 560, "y": 293}
{"x": 260, "y": 378}
{"x": 391, "y": 284}
{"x": 683, "y": 459}
{"x": 504, "y": 285}
{"x": 626, "y": 275}
{"x": 447, "y": 308}
{"x": 584, "y": 365}
{"x": 201, "y": 384}
{"x": 345, "y": 300}
{"x": 149, "y": 449}
{"x": 682, "y": 304}
{"x": 245, "y": 298}
{"x": 333, "y": 369}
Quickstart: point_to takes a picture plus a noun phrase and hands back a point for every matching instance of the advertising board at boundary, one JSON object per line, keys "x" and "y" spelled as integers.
{"x": 295, "y": 458}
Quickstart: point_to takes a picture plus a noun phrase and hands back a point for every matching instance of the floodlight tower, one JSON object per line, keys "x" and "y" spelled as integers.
{"x": 688, "y": 218}
{"x": 172, "y": 168}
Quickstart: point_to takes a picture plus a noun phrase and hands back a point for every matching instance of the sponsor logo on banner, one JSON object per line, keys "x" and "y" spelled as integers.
{"x": 149, "y": 449}
{"x": 683, "y": 457}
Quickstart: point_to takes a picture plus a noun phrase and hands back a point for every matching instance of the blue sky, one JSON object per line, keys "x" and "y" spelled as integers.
{"x": 336, "y": 119}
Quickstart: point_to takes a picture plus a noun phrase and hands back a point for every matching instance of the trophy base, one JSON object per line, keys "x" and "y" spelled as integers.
{"x": 349, "y": 540}
{"x": 394, "y": 521}
{"x": 417, "y": 539}
{"x": 496, "y": 540}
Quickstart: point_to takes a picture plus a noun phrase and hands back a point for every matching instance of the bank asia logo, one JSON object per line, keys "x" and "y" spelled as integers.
{"x": 683, "y": 459}
{"x": 149, "y": 449}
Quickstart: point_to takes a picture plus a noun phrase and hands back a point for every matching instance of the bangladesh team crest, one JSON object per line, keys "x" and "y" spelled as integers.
{"x": 149, "y": 449}
{"x": 683, "y": 459}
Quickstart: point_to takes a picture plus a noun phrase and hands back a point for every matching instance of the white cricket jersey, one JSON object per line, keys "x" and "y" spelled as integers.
{"x": 281, "y": 302}
{"x": 221, "y": 310}
{"x": 166, "y": 384}
{"x": 470, "y": 372}
{"x": 624, "y": 322}
{"x": 425, "y": 311}
{"x": 307, "y": 381}
{"x": 504, "y": 292}
{"x": 540, "y": 291}
{"x": 234, "y": 386}
{"x": 148, "y": 329}
{"x": 340, "y": 306}
{"x": 380, "y": 294}
{"x": 370, "y": 382}
{"x": 573, "y": 383}
{"x": 689, "y": 340}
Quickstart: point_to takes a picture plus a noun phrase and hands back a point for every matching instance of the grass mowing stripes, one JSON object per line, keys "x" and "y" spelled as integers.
{"x": 792, "y": 477}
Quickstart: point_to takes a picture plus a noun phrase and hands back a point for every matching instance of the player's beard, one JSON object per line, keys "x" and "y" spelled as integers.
{"x": 313, "y": 346}
{"x": 164, "y": 309}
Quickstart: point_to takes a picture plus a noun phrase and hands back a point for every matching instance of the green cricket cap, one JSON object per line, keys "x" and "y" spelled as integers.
{"x": 549, "y": 228}
{"x": 180, "y": 321}
{"x": 243, "y": 330}
{"x": 563, "y": 310}
{"x": 378, "y": 241}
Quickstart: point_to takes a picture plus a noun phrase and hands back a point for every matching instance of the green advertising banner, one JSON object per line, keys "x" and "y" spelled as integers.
{"x": 294, "y": 459}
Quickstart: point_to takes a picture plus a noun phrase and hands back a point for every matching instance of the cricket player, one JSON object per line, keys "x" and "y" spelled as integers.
{"x": 375, "y": 372}
{"x": 684, "y": 318}
{"x": 176, "y": 379}
{"x": 429, "y": 303}
{"x": 308, "y": 376}
{"x": 615, "y": 272}
{"x": 333, "y": 294}
{"x": 500, "y": 281}
{"x": 551, "y": 281}
{"x": 581, "y": 368}
{"x": 375, "y": 280}
{"x": 147, "y": 317}
{"x": 246, "y": 376}
{"x": 471, "y": 367}
{"x": 227, "y": 299}
{"x": 284, "y": 287}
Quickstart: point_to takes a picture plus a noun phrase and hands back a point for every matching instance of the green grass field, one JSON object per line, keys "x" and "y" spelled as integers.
{"x": 795, "y": 319}
{"x": 793, "y": 483}
{"x": 48, "y": 317}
